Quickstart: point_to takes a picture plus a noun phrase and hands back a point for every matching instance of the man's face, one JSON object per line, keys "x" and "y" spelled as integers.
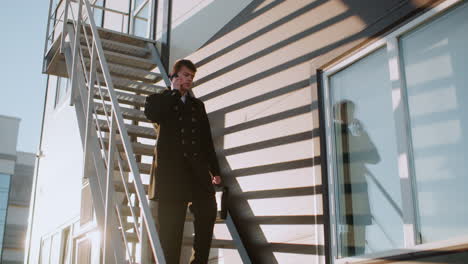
{"x": 186, "y": 78}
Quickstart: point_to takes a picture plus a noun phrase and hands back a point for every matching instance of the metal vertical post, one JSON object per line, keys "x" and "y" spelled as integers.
{"x": 47, "y": 35}
{"x": 76, "y": 43}
{"x": 131, "y": 20}
{"x": 64, "y": 26}
{"x": 166, "y": 37}
{"x": 89, "y": 114}
{"x": 108, "y": 252}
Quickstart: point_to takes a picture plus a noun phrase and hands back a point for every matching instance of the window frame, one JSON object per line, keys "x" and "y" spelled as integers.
{"x": 390, "y": 41}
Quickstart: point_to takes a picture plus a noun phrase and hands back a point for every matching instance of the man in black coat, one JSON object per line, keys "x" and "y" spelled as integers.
{"x": 185, "y": 156}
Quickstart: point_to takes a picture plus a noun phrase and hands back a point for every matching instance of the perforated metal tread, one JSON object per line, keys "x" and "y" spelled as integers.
{"x": 133, "y": 130}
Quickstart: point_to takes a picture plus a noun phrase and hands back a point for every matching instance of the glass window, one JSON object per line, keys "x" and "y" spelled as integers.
{"x": 369, "y": 165}
{"x": 141, "y": 21}
{"x": 4, "y": 191}
{"x": 140, "y": 27}
{"x": 99, "y": 13}
{"x": 138, "y": 3}
{"x": 435, "y": 66}
{"x": 367, "y": 187}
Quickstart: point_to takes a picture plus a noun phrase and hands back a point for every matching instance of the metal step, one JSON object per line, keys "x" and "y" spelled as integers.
{"x": 123, "y": 59}
{"x": 129, "y": 72}
{"x": 128, "y": 113}
{"x": 138, "y": 148}
{"x": 137, "y": 131}
{"x": 125, "y": 209}
{"x": 215, "y": 243}
{"x": 132, "y": 86}
{"x": 120, "y": 37}
{"x": 188, "y": 241}
{"x": 119, "y": 187}
{"x": 144, "y": 168}
{"x": 124, "y": 98}
{"x": 111, "y": 45}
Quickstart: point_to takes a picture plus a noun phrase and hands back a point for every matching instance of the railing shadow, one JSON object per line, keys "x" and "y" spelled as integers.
{"x": 374, "y": 17}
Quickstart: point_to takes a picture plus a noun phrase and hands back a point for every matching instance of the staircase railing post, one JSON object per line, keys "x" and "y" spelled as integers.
{"x": 76, "y": 42}
{"x": 46, "y": 44}
{"x": 64, "y": 26}
{"x": 166, "y": 33}
{"x": 128, "y": 149}
{"x": 108, "y": 252}
{"x": 96, "y": 177}
{"x": 89, "y": 115}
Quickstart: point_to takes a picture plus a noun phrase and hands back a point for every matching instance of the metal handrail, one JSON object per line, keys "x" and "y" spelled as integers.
{"x": 116, "y": 121}
{"x": 95, "y": 156}
{"x": 56, "y": 21}
{"x": 106, "y": 114}
{"x": 105, "y": 154}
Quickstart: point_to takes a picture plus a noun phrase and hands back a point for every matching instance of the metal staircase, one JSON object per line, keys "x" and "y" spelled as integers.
{"x": 110, "y": 75}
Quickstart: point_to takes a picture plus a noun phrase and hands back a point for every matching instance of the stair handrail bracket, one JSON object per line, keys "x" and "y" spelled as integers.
{"x": 114, "y": 120}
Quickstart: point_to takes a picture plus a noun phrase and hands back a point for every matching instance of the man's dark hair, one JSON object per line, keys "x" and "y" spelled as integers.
{"x": 182, "y": 62}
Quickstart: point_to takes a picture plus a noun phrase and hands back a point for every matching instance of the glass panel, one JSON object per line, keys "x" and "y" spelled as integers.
{"x": 4, "y": 191}
{"x": 436, "y": 64}
{"x": 140, "y": 28}
{"x": 144, "y": 12}
{"x": 138, "y": 3}
{"x": 98, "y": 13}
{"x": 367, "y": 185}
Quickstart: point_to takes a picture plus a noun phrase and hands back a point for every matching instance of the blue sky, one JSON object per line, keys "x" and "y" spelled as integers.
{"x": 23, "y": 25}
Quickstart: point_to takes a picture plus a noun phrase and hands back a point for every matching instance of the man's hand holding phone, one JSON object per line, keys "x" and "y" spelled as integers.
{"x": 175, "y": 81}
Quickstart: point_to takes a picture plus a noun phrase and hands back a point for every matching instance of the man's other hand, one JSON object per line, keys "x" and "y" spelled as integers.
{"x": 216, "y": 179}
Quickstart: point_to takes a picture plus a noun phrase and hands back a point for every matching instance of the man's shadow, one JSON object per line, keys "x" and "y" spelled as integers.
{"x": 354, "y": 149}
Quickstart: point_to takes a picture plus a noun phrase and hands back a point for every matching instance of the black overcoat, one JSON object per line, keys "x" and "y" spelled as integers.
{"x": 184, "y": 141}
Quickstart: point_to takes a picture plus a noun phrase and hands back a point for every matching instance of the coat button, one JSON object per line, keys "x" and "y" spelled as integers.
{"x": 180, "y": 118}
{"x": 194, "y": 119}
{"x": 182, "y": 130}
{"x": 176, "y": 107}
{"x": 193, "y": 130}
{"x": 193, "y": 142}
{"x": 183, "y": 141}
{"x": 195, "y": 154}
{"x": 185, "y": 154}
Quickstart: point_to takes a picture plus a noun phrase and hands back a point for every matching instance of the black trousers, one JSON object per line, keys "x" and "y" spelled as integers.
{"x": 171, "y": 216}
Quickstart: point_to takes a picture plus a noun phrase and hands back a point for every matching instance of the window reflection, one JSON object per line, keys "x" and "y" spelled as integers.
{"x": 367, "y": 185}
{"x": 354, "y": 150}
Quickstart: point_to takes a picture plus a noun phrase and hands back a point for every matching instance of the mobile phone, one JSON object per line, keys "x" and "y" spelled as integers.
{"x": 173, "y": 76}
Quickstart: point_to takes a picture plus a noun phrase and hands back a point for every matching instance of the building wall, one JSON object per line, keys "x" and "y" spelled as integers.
{"x": 9, "y": 128}
{"x": 257, "y": 77}
{"x": 9, "y": 136}
{"x": 59, "y": 177}
{"x": 59, "y": 174}
{"x": 16, "y": 172}
{"x": 18, "y": 209}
